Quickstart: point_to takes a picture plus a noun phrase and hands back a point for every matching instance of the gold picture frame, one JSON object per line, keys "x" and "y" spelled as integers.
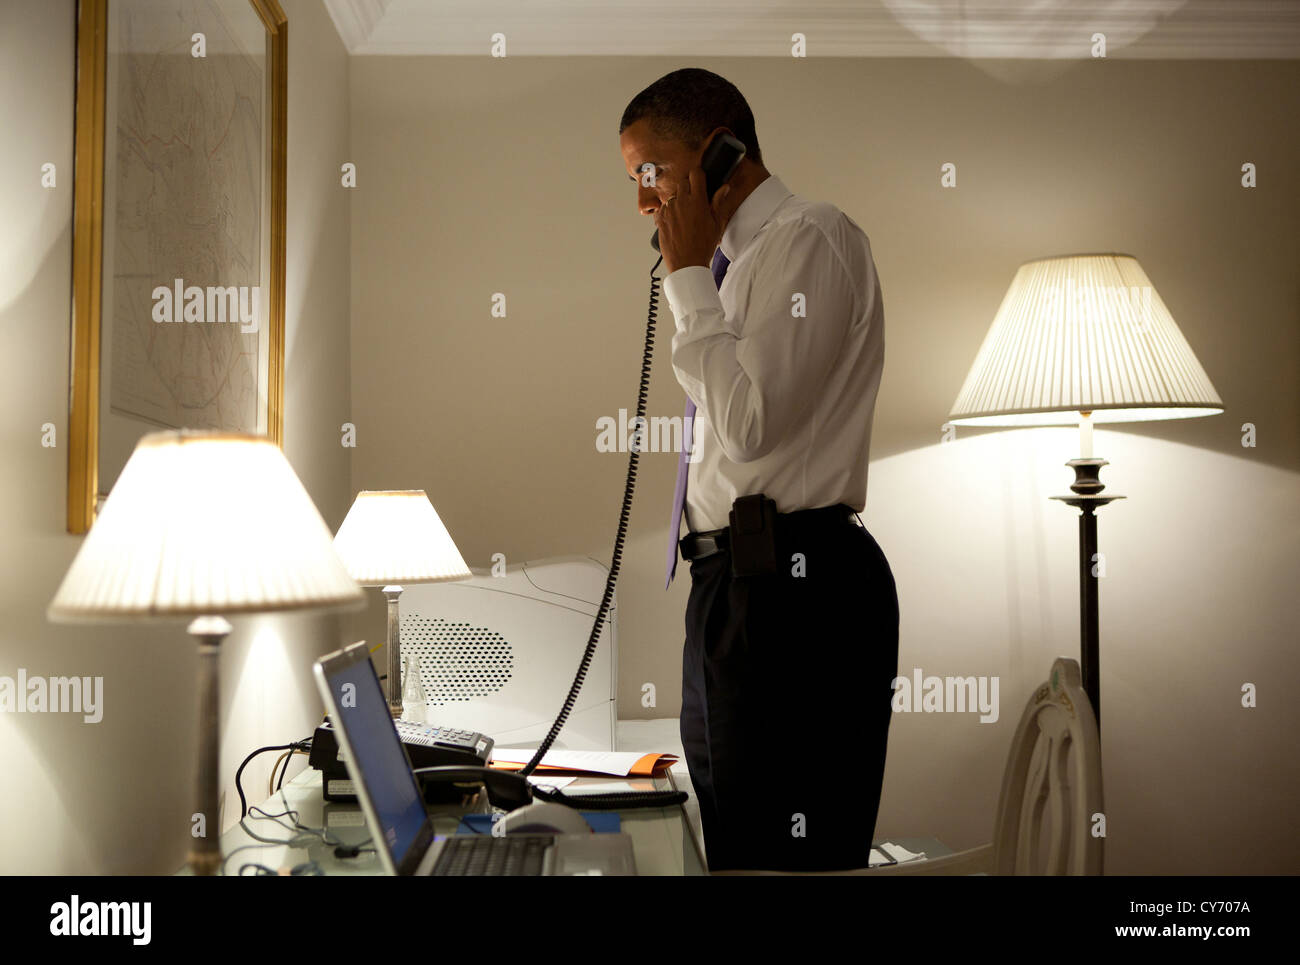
{"x": 84, "y": 409}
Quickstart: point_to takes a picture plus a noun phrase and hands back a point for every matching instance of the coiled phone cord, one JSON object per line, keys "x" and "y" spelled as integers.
{"x": 620, "y": 799}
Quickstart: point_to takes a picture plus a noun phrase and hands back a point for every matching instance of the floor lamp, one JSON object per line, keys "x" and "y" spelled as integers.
{"x": 1083, "y": 339}
{"x": 204, "y": 525}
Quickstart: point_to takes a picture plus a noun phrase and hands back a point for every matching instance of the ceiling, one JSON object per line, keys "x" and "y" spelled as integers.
{"x": 1032, "y": 29}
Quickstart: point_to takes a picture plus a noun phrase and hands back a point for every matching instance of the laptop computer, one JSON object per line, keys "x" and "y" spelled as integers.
{"x": 390, "y": 797}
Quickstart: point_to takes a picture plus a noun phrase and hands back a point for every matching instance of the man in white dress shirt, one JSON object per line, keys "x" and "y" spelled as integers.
{"x": 792, "y": 621}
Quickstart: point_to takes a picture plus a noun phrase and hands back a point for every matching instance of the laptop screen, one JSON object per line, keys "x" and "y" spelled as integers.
{"x": 361, "y": 712}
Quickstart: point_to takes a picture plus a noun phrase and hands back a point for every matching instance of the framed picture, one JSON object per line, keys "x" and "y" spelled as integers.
{"x": 178, "y": 229}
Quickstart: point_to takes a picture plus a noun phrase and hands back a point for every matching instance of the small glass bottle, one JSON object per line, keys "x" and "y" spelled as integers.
{"x": 413, "y": 697}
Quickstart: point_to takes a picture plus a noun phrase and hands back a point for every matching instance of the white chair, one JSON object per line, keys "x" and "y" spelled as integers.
{"x": 1046, "y": 789}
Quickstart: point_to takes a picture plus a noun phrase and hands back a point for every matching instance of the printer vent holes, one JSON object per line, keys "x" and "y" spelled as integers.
{"x": 458, "y": 662}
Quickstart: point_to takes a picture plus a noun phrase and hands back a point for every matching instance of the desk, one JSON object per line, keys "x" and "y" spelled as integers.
{"x": 661, "y": 840}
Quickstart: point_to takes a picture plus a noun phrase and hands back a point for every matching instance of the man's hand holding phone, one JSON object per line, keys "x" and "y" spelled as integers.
{"x": 690, "y": 228}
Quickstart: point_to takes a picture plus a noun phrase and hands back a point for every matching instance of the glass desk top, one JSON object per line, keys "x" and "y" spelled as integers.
{"x": 661, "y": 839}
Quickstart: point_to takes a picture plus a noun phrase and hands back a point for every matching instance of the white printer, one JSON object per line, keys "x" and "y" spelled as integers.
{"x": 497, "y": 654}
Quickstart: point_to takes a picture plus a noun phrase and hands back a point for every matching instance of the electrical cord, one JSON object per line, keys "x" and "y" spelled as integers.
{"x": 341, "y": 850}
{"x": 287, "y": 758}
{"x": 302, "y": 745}
{"x": 271, "y": 784}
{"x": 634, "y": 798}
{"x": 286, "y": 842}
{"x": 270, "y": 778}
{"x": 294, "y": 825}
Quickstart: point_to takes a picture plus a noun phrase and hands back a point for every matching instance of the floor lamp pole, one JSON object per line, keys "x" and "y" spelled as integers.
{"x": 1087, "y": 498}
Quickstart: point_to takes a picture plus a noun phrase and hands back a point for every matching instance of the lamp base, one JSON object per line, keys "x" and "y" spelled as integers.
{"x": 205, "y": 828}
{"x": 203, "y": 863}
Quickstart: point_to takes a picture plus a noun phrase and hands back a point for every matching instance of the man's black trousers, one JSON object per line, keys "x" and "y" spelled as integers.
{"x": 786, "y": 687}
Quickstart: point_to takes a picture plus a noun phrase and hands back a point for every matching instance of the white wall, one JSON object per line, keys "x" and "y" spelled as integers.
{"x": 1198, "y": 599}
{"x": 115, "y": 797}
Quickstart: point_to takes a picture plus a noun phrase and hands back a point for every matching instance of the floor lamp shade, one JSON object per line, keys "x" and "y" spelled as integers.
{"x": 204, "y": 523}
{"x": 1083, "y": 333}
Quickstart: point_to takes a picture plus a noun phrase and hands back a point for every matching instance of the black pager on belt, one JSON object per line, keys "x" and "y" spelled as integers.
{"x": 752, "y": 536}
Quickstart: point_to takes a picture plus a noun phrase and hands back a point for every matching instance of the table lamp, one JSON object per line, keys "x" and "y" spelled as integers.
{"x": 204, "y": 525}
{"x": 392, "y": 537}
{"x": 1081, "y": 339}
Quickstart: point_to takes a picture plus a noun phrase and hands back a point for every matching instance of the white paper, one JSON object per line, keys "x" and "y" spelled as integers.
{"x": 550, "y": 781}
{"x": 898, "y": 852}
{"x": 611, "y": 787}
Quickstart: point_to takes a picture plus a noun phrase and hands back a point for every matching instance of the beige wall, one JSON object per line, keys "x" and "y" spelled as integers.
{"x": 115, "y": 797}
{"x": 480, "y": 175}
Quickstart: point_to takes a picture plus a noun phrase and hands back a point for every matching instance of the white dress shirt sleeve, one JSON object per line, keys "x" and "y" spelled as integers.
{"x": 754, "y": 377}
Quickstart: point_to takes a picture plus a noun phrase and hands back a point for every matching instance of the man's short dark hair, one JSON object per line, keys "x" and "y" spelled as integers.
{"x": 688, "y": 104}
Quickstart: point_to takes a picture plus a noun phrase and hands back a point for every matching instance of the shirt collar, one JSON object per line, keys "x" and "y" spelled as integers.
{"x": 752, "y": 215}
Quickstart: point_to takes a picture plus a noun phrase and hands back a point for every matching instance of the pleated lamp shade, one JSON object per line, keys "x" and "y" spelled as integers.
{"x": 204, "y": 523}
{"x": 1083, "y": 333}
{"x": 393, "y": 537}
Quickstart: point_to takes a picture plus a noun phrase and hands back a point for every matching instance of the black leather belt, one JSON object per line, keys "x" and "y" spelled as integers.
{"x": 698, "y": 546}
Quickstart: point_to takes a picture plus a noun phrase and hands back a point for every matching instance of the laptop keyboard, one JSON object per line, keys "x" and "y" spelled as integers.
{"x": 477, "y": 855}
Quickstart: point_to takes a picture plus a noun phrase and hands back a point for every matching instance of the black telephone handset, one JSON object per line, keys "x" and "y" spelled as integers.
{"x": 719, "y": 162}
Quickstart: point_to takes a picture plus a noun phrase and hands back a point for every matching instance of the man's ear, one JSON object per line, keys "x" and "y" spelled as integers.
{"x": 709, "y": 139}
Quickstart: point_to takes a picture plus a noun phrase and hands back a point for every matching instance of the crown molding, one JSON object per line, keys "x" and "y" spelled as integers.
{"x": 972, "y": 29}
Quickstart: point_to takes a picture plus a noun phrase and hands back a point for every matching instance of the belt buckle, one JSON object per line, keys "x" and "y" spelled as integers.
{"x": 709, "y": 543}
{"x": 699, "y": 546}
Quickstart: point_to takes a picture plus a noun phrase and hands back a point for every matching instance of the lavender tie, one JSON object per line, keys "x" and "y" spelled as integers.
{"x": 720, "y": 264}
